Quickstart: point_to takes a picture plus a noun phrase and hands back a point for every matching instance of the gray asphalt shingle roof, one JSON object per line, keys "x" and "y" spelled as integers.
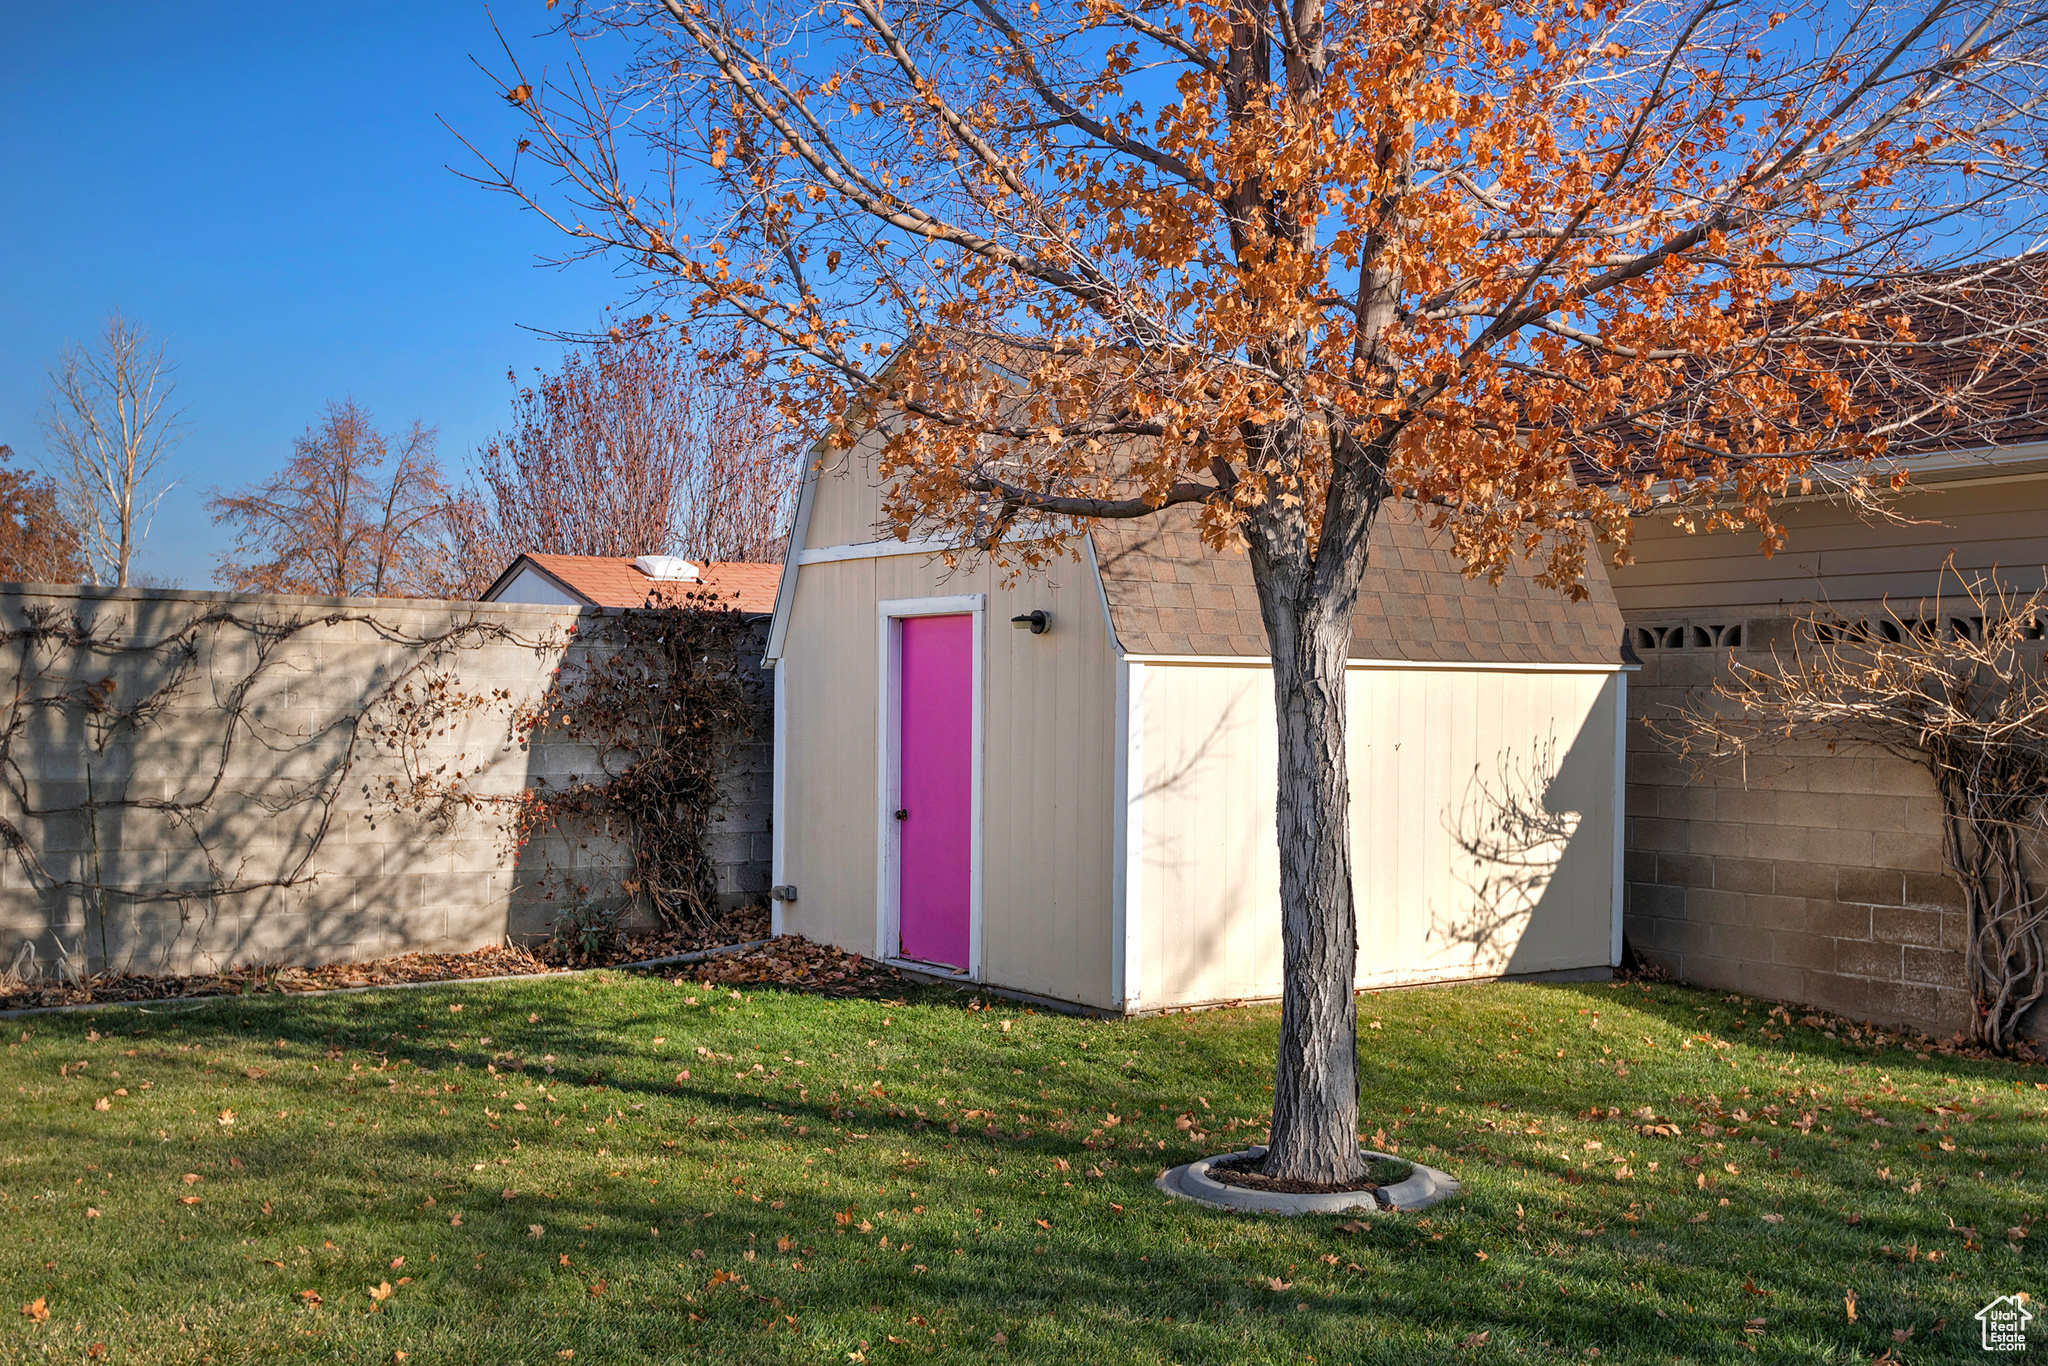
{"x": 1169, "y": 594}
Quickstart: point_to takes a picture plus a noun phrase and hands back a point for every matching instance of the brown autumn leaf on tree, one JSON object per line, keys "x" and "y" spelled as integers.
{"x": 38, "y": 543}
{"x": 1263, "y": 267}
{"x": 352, "y": 514}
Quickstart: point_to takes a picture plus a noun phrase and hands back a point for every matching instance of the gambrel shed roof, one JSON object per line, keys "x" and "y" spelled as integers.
{"x": 1168, "y": 594}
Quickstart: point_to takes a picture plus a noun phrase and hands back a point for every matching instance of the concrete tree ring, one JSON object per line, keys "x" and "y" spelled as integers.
{"x": 1424, "y": 1186}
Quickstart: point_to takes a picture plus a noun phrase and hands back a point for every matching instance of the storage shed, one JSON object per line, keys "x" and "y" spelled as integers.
{"x": 1063, "y": 786}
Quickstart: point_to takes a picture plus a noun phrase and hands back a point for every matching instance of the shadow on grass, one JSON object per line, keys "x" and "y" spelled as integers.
{"x": 1562, "y": 1262}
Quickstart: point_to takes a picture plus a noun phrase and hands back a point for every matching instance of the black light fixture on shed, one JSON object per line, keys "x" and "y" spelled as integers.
{"x": 1037, "y": 622}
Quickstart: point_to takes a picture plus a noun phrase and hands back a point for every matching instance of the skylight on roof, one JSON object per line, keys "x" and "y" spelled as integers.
{"x": 668, "y": 568}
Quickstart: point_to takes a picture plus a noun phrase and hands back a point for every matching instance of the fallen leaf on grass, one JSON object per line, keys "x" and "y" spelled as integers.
{"x": 36, "y": 1309}
{"x": 193, "y": 1178}
{"x": 1849, "y": 1303}
{"x": 381, "y": 1291}
{"x": 1476, "y": 1340}
{"x": 91, "y": 1213}
{"x": 1275, "y": 1284}
{"x": 103, "y": 1104}
{"x": 535, "y": 1230}
{"x": 311, "y": 1297}
{"x": 1701, "y": 1217}
{"x": 96, "y": 1351}
{"x": 1774, "y": 1218}
{"x": 1000, "y": 1338}
{"x": 188, "y": 1199}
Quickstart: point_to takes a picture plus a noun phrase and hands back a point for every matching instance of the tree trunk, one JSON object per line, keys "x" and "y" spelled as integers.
{"x": 1306, "y": 596}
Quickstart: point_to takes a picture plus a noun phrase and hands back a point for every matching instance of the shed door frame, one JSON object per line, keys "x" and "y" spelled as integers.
{"x": 889, "y": 696}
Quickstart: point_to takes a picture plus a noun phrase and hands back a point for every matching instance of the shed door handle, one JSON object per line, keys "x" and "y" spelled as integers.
{"x": 902, "y": 815}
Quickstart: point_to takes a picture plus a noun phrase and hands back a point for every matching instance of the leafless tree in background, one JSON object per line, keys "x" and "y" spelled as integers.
{"x": 333, "y": 522}
{"x": 109, "y": 422}
{"x": 639, "y": 445}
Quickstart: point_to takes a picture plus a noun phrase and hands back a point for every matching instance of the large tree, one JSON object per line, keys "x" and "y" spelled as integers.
{"x": 640, "y": 444}
{"x": 1538, "y": 264}
{"x": 352, "y": 513}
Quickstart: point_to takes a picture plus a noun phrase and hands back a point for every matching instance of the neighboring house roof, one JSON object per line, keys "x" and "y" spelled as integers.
{"x": 1169, "y": 594}
{"x": 613, "y": 581}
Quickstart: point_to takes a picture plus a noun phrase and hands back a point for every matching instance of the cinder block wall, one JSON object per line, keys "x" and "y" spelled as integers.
{"x": 1802, "y": 875}
{"x": 199, "y": 892}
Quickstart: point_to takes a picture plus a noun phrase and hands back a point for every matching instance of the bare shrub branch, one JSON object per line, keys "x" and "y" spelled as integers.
{"x": 1958, "y": 684}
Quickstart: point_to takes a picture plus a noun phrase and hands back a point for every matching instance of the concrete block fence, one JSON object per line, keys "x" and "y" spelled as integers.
{"x": 381, "y": 881}
{"x": 1799, "y": 875}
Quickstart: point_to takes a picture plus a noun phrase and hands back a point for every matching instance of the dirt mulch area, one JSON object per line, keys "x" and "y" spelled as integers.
{"x": 796, "y": 963}
{"x": 1245, "y": 1173}
{"x": 499, "y": 960}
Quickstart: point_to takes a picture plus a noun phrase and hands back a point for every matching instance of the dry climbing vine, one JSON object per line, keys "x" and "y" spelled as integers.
{"x": 1960, "y": 687}
{"x": 238, "y": 706}
{"x": 661, "y": 695}
{"x": 95, "y": 685}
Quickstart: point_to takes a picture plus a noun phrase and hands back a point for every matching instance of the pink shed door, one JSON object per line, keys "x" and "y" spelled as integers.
{"x": 936, "y": 803}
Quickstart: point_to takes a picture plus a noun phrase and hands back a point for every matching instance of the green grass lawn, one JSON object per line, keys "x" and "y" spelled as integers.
{"x": 515, "y": 1173}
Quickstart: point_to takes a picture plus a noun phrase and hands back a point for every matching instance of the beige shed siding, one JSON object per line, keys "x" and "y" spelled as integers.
{"x": 847, "y": 503}
{"x": 1833, "y": 555}
{"x": 1448, "y": 886}
{"x": 1049, "y": 753}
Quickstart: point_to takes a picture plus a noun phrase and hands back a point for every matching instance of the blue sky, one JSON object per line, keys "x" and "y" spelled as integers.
{"x": 265, "y": 188}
